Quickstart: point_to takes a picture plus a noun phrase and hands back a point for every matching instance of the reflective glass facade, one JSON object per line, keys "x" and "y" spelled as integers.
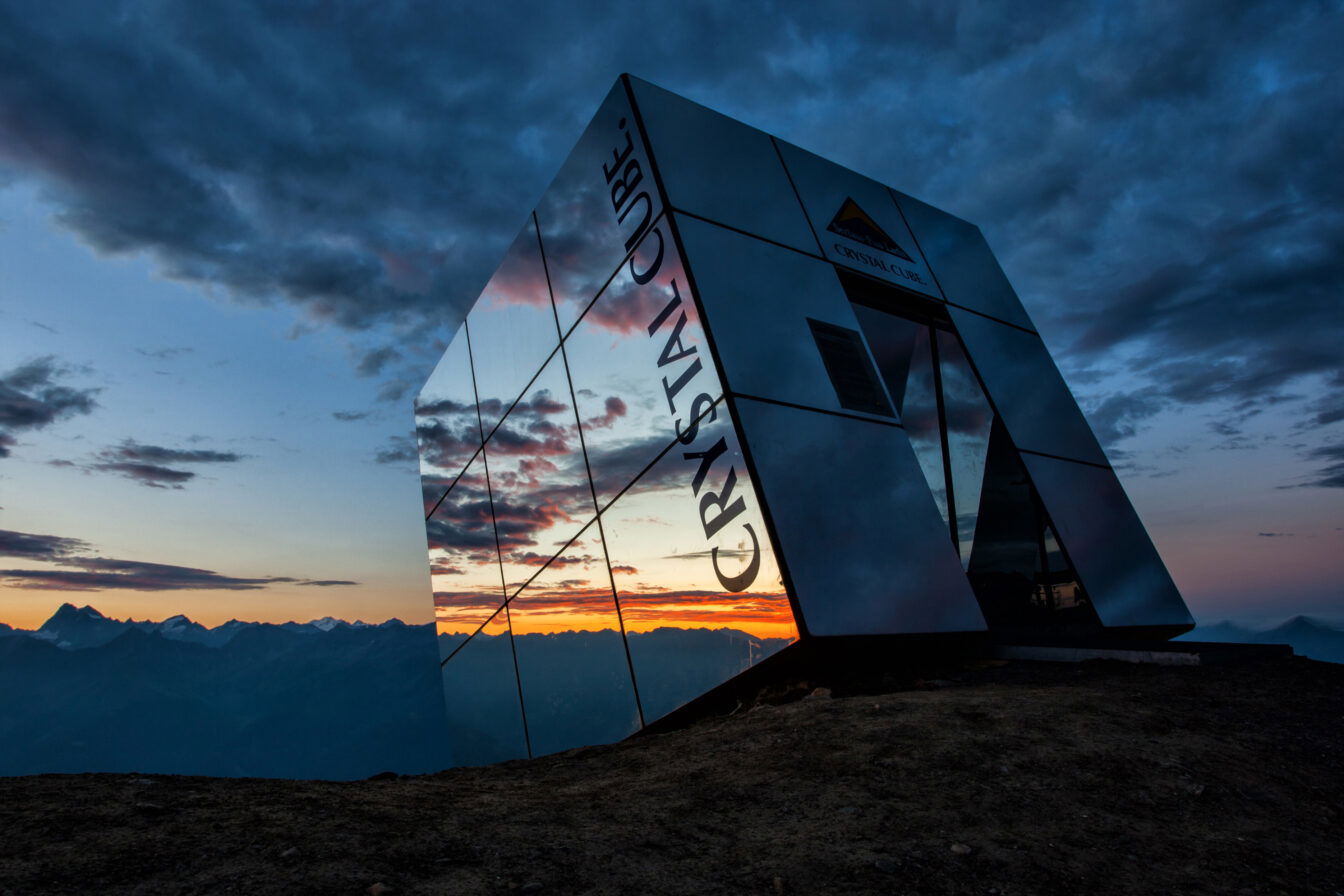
{"x": 723, "y": 395}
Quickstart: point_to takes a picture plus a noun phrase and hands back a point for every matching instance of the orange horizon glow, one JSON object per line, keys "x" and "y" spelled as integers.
{"x": 760, "y": 614}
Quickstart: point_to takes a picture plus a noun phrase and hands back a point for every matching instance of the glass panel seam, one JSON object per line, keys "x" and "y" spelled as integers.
{"x": 453, "y": 484}
{"x": 519, "y": 397}
{"x": 936, "y": 359}
{"x": 996, "y": 320}
{"x": 1072, "y": 460}
{"x": 605, "y": 283}
{"x": 468, "y": 638}
{"x": 880, "y": 421}
{"x": 620, "y": 620}
{"x": 606, "y": 559}
{"x": 517, "y": 679}
{"x": 546, "y": 271}
{"x": 918, "y": 248}
{"x": 796, "y": 195}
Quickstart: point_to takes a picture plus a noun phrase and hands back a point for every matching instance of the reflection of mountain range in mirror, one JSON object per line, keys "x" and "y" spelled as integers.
{"x": 675, "y": 665}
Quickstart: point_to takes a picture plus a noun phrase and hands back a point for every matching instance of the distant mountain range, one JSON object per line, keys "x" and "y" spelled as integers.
{"x": 1308, "y": 637}
{"x": 78, "y": 628}
{"x": 327, "y": 698}
{"x": 322, "y": 699}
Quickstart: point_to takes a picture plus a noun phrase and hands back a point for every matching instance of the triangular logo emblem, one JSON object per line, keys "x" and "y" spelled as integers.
{"x": 853, "y": 223}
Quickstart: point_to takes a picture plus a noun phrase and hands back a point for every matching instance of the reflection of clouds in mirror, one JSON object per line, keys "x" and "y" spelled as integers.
{"x": 512, "y": 328}
{"x": 538, "y": 477}
{"x": 592, "y": 210}
{"x": 464, "y": 559}
{"x": 446, "y": 427}
{"x": 640, "y": 367}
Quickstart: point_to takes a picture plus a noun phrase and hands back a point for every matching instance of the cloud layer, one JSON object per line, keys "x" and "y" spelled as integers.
{"x": 32, "y": 396}
{"x": 75, "y": 571}
{"x": 1161, "y": 181}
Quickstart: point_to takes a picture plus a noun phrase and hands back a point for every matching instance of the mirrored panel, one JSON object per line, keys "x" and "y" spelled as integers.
{"x": 759, "y": 299}
{"x": 480, "y": 689}
{"x": 699, "y": 588}
{"x": 1025, "y": 585}
{"x": 571, "y": 657}
{"x": 903, "y": 349}
{"x": 721, "y": 169}
{"x": 961, "y": 260}
{"x": 538, "y": 480}
{"x": 640, "y": 365}
{"x": 856, "y": 221}
{"x": 969, "y": 418}
{"x": 463, "y": 559}
{"x": 1026, "y": 388}
{"x": 446, "y": 428}
{"x": 512, "y": 328}
{"x": 598, "y": 207}
{"x": 1106, "y": 541}
{"x": 866, "y": 549}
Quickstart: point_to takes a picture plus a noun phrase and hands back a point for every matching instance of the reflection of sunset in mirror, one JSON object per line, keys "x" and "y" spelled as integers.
{"x": 572, "y": 594}
{"x": 464, "y": 563}
{"x": 538, "y": 479}
{"x": 667, "y": 571}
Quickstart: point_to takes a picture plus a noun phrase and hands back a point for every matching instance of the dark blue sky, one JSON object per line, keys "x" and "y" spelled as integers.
{"x": 236, "y": 235}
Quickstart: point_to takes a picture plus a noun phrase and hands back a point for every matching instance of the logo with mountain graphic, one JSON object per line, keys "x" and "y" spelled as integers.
{"x": 853, "y": 223}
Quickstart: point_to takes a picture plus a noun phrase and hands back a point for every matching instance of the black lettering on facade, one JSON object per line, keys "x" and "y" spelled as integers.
{"x": 875, "y": 262}
{"x": 687, "y": 436}
{"x": 681, "y": 381}
{"x": 742, "y": 581}
{"x": 667, "y": 310}
{"x": 619, "y": 156}
{"x": 638, "y": 232}
{"x": 652, "y": 270}
{"x": 706, "y": 458}
{"x": 623, "y": 196}
{"x": 624, "y": 188}
{"x": 727, "y": 512}
{"x": 625, "y": 175}
{"x": 666, "y": 357}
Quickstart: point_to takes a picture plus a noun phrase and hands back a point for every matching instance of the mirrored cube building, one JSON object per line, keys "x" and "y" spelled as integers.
{"x": 723, "y": 396}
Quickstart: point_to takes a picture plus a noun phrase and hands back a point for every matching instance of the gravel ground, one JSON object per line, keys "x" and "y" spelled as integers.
{"x": 1015, "y": 778}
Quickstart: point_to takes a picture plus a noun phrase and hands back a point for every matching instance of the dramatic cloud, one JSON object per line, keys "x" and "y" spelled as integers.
{"x": 151, "y": 475}
{"x": 31, "y": 397}
{"x": 147, "y": 464}
{"x": 1158, "y": 180}
{"x": 613, "y": 409}
{"x": 39, "y": 547}
{"x": 400, "y": 450}
{"x": 103, "y": 573}
{"x": 373, "y": 362}
{"x": 99, "y": 574}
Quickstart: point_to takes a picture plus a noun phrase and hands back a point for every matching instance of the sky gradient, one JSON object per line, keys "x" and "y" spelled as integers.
{"x": 235, "y": 240}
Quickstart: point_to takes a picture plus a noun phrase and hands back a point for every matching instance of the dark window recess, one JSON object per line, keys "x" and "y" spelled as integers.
{"x": 850, "y": 370}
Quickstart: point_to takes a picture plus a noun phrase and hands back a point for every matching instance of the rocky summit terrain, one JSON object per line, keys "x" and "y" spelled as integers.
{"x": 1016, "y": 778}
